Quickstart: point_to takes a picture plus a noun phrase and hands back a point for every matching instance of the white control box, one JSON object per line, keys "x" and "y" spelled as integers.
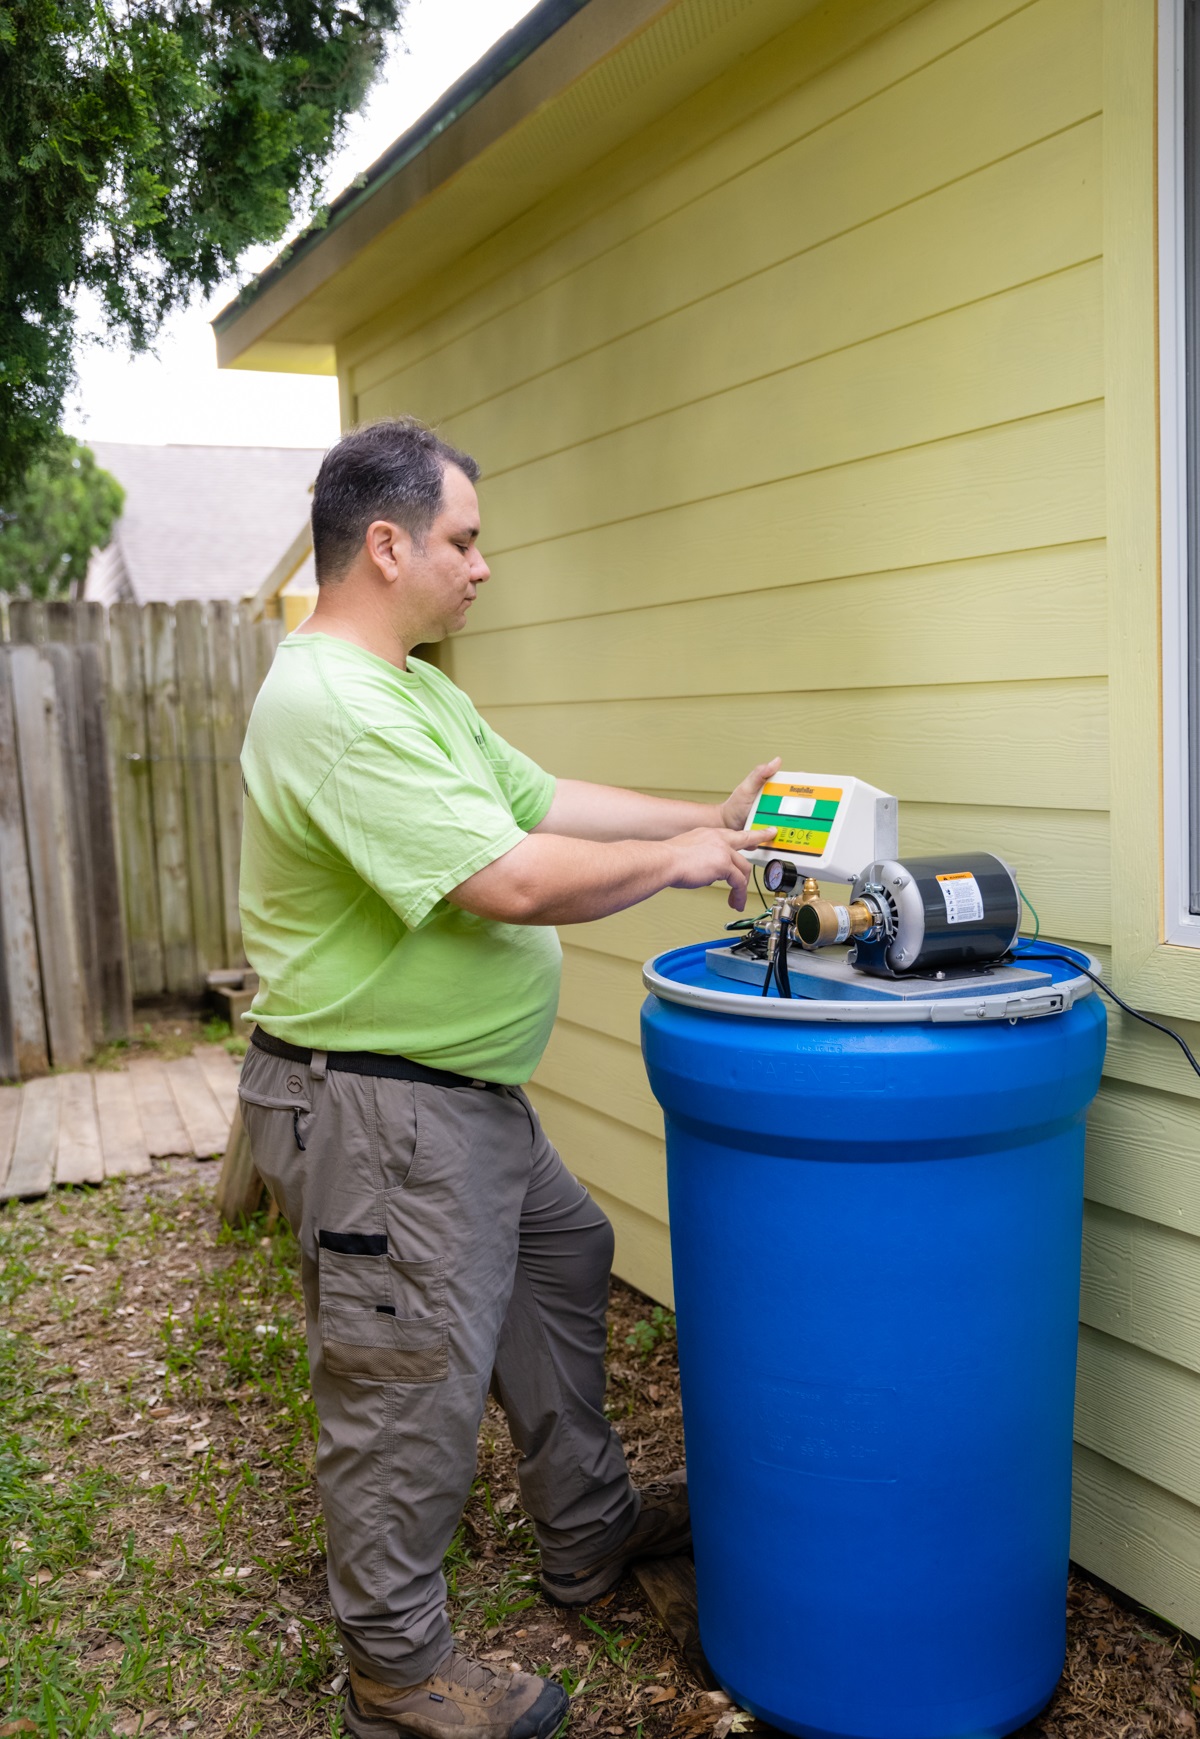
{"x": 828, "y": 826}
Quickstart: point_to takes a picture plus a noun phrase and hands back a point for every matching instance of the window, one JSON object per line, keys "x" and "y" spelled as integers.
{"x": 1179, "y": 354}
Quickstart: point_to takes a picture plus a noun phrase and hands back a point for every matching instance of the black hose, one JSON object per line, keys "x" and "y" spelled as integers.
{"x": 781, "y": 961}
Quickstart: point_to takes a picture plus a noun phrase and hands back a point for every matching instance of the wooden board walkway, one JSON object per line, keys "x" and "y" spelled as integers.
{"x": 84, "y": 1127}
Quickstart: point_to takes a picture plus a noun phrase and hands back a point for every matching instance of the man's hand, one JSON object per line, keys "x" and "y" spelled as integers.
{"x": 739, "y": 805}
{"x": 714, "y": 854}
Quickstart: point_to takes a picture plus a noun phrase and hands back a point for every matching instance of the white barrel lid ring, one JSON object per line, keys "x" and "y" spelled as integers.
{"x": 1032, "y": 1004}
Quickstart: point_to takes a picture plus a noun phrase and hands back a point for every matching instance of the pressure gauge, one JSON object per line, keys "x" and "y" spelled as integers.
{"x": 780, "y": 877}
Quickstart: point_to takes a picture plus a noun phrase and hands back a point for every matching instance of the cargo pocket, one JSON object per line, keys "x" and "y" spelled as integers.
{"x": 380, "y": 1320}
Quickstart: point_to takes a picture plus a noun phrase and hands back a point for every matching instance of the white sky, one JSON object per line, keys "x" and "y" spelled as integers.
{"x": 178, "y": 394}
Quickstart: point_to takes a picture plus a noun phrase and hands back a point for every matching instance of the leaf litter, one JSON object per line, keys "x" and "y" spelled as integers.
{"x": 161, "y": 1548}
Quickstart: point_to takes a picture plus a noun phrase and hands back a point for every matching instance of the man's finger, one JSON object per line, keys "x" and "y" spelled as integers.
{"x": 738, "y": 877}
{"x": 751, "y": 838}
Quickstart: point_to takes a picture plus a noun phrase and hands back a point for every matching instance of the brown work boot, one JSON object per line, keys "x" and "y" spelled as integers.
{"x": 463, "y": 1699}
{"x": 663, "y": 1527}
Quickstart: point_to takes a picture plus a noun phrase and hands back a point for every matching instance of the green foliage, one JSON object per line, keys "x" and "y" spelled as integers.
{"x": 143, "y": 147}
{"x": 644, "y": 1336}
{"x": 64, "y": 508}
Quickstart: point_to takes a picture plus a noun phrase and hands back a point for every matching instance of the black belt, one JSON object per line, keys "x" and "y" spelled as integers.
{"x": 368, "y": 1063}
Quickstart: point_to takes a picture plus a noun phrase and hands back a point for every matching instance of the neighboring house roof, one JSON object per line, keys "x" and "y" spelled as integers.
{"x": 199, "y": 522}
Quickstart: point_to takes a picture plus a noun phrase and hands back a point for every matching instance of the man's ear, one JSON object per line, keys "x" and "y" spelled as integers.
{"x": 388, "y": 546}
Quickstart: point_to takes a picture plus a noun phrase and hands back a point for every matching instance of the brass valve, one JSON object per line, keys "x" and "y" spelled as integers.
{"x": 820, "y": 923}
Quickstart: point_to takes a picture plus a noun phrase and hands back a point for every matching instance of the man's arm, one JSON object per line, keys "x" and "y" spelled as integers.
{"x": 548, "y": 879}
{"x": 607, "y": 812}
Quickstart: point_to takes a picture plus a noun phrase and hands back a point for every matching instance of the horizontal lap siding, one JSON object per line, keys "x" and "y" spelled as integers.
{"x": 792, "y": 427}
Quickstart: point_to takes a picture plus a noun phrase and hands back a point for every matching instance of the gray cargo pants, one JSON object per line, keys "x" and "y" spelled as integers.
{"x": 445, "y": 1248}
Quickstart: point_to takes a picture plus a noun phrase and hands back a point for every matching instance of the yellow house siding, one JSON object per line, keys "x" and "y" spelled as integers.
{"x": 793, "y": 416}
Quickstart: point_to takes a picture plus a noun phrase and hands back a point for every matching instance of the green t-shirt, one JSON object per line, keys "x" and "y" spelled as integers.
{"x": 370, "y": 793}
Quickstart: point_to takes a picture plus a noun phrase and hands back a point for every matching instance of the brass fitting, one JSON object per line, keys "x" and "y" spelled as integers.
{"x": 820, "y": 923}
{"x": 811, "y": 890}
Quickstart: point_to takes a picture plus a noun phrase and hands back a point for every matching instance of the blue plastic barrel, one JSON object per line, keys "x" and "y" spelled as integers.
{"x": 875, "y": 1229}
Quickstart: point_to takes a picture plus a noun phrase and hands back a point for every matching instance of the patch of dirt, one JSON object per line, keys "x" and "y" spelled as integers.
{"x": 193, "y": 1600}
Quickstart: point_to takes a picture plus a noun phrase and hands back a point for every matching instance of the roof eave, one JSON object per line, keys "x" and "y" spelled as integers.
{"x": 243, "y": 322}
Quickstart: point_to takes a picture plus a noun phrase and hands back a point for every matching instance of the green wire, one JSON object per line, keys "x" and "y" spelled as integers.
{"x": 1037, "y": 922}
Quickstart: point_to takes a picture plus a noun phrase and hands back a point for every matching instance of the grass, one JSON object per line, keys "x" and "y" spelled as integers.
{"x": 125, "y": 1587}
{"x": 172, "y": 1033}
{"x": 161, "y": 1547}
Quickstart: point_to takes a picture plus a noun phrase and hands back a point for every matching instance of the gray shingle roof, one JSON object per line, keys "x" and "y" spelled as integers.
{"x": 199, "y": 522}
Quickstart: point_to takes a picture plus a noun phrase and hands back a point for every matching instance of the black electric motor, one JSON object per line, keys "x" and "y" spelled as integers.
{"x": 963, "y": 909}
{"x": 927, "y": 914}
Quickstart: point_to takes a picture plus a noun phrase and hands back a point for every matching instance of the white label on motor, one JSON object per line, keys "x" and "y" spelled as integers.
{"x": 964, "y": 902}
{"x": 843, "y": 918}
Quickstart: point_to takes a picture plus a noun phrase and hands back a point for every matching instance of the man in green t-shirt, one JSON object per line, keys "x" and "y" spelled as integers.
{"x": 402, "y": 871}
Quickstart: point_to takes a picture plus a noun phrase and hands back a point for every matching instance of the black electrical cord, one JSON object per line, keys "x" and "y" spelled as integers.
{"x": 1119, "y": 1000}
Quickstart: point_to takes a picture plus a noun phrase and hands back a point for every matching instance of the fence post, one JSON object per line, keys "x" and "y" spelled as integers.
{"x": 199, "y": 786}
{"x": 46, "y": 794}
{"x": 114, "y": 1005}
{"x": 170, "y": 822}
{"x": 63, "y": 660}
{"x": 22, "y": 1017}
{"x": 27, "y": 621}
{"x": 134, "y": 799}
{"x": 226, "y": 687}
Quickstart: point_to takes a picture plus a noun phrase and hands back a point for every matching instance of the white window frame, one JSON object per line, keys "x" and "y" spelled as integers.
{"x": 1180, "y": 924}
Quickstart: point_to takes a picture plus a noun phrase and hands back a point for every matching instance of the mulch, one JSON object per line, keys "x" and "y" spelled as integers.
{"x": 1128, "y": 1676}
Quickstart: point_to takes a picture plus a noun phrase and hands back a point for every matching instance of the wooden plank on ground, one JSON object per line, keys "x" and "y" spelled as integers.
{"x": 221, "y": 1073}
{"x": 199, "y": 785}
{"x": 22, "y": 1018}
{"x": 166, "y": 777}
{"x": 207, "y": 1125}
{"x": 10, "y": 1116}
{"x": 669, "y": 1584}
{"x": 122, "y": 1138}
{"x": 46, "y": 797}
{"x": 114, "y": 1008}
{"x": 32, "y": 1167}
{"x": 130, "y": 754}
{"x": 240, "y": 1189}
{"x": 225, "y": 682}
{"x": 161, "y": 1122}
{"x": 80, "y": 1157}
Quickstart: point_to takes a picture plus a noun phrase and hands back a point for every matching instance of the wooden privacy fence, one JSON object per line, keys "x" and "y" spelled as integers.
{"x": 64, "y": 980}
{"x": 178, "y": 682}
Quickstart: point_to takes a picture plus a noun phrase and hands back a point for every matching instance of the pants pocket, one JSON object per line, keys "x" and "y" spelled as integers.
{"x": 380, "y": 1320}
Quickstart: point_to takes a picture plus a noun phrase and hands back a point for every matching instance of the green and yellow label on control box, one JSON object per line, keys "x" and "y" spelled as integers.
{"x": 802, "y": 815}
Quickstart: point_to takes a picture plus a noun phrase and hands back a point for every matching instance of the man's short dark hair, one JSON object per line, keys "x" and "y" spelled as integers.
{"x": 389, "y": 470}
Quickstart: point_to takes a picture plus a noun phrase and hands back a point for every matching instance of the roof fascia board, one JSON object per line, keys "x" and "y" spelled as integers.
{"x": 574, "y": 36}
